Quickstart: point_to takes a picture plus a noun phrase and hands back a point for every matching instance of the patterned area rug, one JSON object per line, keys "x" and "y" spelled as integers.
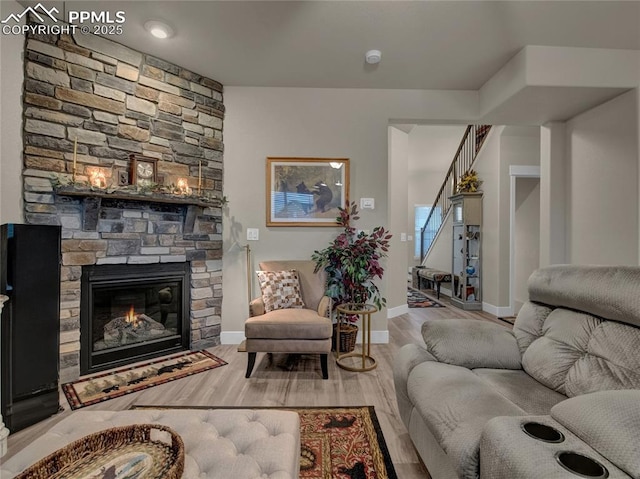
{"x": 417, "y": 299}
{"x": 336, "y": 442}
{"x": 116, "y": 383}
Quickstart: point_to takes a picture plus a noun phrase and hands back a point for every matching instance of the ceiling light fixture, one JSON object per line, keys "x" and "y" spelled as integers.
{"x": 158, "y": 29}
{"x": 373, "y": 56}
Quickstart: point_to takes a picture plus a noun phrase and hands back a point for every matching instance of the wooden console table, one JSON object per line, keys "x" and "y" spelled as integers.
{"x": 364, "y": 311}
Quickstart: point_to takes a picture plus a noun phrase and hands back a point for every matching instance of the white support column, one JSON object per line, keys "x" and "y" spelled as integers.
{"x": 552, "y": 194}
{"x": 4, "y": 432}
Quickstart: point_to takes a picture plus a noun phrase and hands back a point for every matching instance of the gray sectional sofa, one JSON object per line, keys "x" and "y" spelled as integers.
{"x": 559, "y": 394}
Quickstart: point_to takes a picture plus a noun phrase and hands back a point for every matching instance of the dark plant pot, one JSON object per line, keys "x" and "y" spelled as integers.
{"x": 348, "y": 334}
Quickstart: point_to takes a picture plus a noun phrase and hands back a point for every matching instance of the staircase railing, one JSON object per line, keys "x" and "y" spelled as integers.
{"x": 463, "y": 160}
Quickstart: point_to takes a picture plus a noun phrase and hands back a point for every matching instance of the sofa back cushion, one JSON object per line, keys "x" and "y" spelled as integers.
{"x": 580, "y": 335}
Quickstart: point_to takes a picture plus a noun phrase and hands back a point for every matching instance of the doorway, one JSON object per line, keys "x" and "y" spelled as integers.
{"x": 524, "y": 231}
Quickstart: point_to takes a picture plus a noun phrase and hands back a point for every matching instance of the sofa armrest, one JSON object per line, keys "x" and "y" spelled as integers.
{"x": 324, "y": 307}
{"x": 256, "y": 307}
{"x": 471, "y": 344}
{"x": 407, "y": 358}
{"x": 609, "y": 422}
{"x": 507, "y": 452}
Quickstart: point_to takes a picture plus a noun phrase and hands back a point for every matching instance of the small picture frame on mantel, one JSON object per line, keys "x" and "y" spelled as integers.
{"x": 143, "y": 170}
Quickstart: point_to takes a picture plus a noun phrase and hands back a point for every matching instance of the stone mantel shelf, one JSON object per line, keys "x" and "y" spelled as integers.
{"x": 92, "y": 201}
{"x": 143, "y": 197}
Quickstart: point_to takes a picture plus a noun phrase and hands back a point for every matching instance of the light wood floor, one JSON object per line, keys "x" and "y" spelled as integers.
{"x": 281, "y": 382}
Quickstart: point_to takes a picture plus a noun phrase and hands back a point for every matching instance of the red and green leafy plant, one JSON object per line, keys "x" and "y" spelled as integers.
{"x": 352, "y": 261}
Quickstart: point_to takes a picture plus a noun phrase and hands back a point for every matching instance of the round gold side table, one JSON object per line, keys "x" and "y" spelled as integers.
{"x": 364, "y": 311}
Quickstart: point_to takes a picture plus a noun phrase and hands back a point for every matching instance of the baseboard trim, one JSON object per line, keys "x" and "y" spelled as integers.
{"x": 377, "y": 337}
{"x": 231, "y": 337}
{"x": 397, "y": 311}
{"x": 498, "y": 311}
{"x": 236, "y": 337}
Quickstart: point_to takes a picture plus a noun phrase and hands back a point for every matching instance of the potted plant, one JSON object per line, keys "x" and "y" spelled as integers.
{"x": 469, "y": 182}
{"x": 352, "y": 263}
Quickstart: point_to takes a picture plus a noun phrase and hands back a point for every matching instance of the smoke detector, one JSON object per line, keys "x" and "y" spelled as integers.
{"x": 373, "y": 56}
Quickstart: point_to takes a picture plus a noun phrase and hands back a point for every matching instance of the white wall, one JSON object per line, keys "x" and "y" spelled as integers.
{"x": 440, "y": 256}
{"x": 553, "y": 198}
{"x": 431, "y": 151}
{"x": 309, "y": 122}
{"x": 602, "y": 184}
{"x": 11, "y": 78}
{"x": 527, "y": 236}
{"x": 505, "y": 146}
{"x": 519, "y": 145}
{"x": 397, "y": 264}
{"x": 488, "y": 168}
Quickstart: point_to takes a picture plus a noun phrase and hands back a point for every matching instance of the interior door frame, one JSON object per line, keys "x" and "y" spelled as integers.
{"x": 515, "y": 172}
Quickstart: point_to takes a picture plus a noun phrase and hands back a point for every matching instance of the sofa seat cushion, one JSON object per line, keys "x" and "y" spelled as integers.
{"x": 521, "y": 389}
{"x": 289, "y": 324}
{"x": 218, "y": 443}
{"x": 455, "y": 403}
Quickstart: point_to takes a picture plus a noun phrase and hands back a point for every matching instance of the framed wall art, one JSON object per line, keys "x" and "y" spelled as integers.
{"x": 306, "y": 191}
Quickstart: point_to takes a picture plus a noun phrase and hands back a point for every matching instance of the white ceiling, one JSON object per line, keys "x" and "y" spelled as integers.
{"x": 425, "y": 44}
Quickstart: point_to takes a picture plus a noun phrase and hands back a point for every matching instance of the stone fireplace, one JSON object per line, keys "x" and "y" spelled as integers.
{"x": 90, "y": 103}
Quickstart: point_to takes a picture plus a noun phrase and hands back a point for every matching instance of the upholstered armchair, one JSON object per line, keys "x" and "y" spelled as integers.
{"x": 297, "y": 325}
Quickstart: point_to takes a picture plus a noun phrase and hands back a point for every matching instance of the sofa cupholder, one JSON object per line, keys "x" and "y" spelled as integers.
{"x": 580, "y": 465}
{"x": 542, "y": 432}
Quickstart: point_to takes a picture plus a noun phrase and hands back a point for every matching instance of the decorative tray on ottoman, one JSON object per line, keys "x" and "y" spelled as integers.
{"x": 148, "y": 451}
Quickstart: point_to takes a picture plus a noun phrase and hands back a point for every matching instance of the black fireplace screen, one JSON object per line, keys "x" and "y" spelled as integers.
{"x": 132, "y": 312}
{"x": 129, "y": 315}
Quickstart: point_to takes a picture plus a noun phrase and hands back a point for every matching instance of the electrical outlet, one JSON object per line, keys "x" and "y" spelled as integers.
{"x": 367, "y": 203}
{"x": 253, "y": 234}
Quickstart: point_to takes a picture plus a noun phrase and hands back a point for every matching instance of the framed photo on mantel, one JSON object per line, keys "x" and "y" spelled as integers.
{"x": 306, "y": 191}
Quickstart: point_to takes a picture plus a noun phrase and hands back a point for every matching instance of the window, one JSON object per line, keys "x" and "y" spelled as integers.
{"x": 421, "y": 213}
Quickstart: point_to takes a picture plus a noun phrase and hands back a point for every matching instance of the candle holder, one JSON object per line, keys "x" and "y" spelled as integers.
{"x": 183, "y": 187}
{"x": 97, "y": 177}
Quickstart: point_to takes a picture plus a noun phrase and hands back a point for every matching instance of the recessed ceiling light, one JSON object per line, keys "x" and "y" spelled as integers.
{"x": 158, "y": 29}
{"x": 373, "y": 56}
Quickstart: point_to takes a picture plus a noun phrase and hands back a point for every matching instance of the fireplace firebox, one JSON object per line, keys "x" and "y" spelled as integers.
{"x": 129, "y": 313}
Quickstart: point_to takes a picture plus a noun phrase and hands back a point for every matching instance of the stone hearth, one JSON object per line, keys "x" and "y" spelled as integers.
{"x": 115, "y": 102}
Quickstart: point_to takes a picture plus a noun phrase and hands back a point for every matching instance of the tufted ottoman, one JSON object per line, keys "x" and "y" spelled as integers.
{"x": 219, "y": 443}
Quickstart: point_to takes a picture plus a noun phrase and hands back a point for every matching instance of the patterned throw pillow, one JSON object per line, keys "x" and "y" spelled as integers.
{"x": 280, "y": 289}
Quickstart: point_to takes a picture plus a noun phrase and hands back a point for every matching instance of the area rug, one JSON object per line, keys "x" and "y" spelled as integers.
{"x": 417, "y": 299}
{"x": 336, "y": 442}
{"x": 116, "y": 383}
